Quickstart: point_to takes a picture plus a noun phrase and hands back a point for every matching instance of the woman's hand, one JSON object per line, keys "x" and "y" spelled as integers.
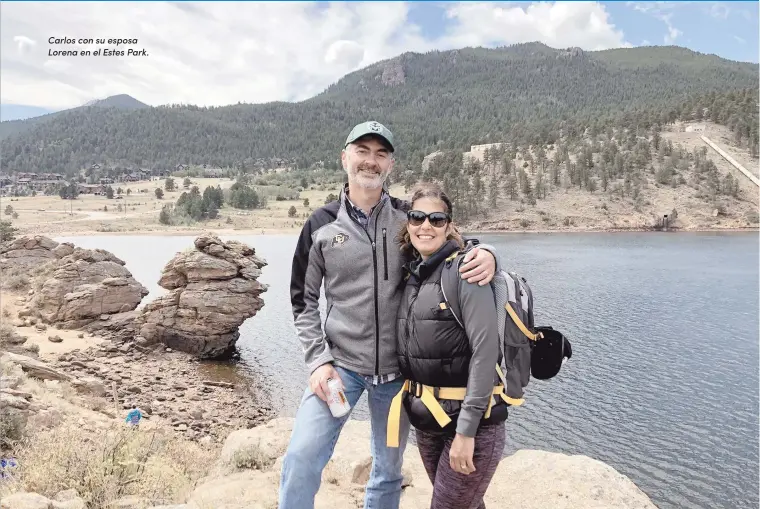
{"x": 460, "y": 455}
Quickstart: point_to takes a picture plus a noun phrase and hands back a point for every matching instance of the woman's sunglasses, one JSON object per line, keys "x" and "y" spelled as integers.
{"x": 437, "y": 219}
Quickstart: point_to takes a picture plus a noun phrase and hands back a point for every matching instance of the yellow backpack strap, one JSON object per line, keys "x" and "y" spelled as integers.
{"x": 491, "y": 403}
{"x": 394, "y": 417}
{"x": 503, "y": 379}
{"x": 521, "y": 325}
{"x": 428, "y": 399}
{"x": 502, "y": 376}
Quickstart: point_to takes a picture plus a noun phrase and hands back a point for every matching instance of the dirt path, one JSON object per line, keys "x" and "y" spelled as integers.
{"x": 727, "y": 156}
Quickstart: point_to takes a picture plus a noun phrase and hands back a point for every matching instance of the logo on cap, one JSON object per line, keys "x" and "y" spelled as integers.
{"x": 374, "y": 126}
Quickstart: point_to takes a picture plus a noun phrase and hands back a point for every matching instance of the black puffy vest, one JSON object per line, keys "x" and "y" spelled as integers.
{"x": 432, "y": 348}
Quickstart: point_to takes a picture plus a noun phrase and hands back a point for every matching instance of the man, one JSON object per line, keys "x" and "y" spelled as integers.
{"x": 350, "y": 245}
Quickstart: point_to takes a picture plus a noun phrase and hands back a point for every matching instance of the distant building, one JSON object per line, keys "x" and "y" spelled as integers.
{"x": 482, "y": 148}
{"x": 478, "y": 152}
{"x": 695, "y": 128}
{"x": 214, "y": 172}
{"x": 90, "y": 189}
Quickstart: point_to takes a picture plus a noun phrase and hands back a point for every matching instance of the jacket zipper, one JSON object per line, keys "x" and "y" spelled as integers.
{"x": 377, "y": 315}
{"x": 385, "y": 255}
{"x": 377, "y": 311}
{"x": 374, "y": 264}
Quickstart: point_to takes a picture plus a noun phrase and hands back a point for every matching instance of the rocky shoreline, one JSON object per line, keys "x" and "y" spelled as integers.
{"x": 168, "y": 386}
{"x": 60, "y": 290}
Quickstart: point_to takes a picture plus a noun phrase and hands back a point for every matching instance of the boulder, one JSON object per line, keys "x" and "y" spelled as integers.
{"x": 35, "y": 368}
{"x": 25, "y": 501}
{"x": 10, "y": 401}
{"x": 91, "y": 385}
{"x": 213, "y": 290}
{"x": 29, "y": 251}
{"x": 119, "y": 327}
{"x": 82, "y": 286}
{"x": 262, "y": 444}
{"x": 76, "y": 503}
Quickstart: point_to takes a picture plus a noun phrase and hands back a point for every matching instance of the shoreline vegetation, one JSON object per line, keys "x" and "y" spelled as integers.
{"x": 605, "y": 184}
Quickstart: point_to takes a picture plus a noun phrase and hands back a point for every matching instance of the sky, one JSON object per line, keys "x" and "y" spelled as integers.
{"x": 219, "y": 53}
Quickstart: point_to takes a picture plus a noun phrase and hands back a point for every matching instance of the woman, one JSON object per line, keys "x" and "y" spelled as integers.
{"x": 456, "y": 363}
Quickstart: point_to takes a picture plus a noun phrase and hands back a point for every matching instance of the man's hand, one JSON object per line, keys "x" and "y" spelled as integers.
{"x": 318, "y": 380}
{"x": 478, "y": 266}
{"x": 460, "y": 454}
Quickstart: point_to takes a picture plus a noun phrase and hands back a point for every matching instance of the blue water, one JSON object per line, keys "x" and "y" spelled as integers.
{"x": 663, "y": 384}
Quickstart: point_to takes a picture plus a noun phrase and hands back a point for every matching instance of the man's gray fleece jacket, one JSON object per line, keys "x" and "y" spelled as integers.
{"x": 362, "y": 271}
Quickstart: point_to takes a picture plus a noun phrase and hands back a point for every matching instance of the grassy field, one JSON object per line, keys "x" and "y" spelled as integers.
{"x": 138, "y": 211}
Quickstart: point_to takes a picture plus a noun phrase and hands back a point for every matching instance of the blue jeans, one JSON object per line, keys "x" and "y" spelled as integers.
{"x": 316, "y": 432}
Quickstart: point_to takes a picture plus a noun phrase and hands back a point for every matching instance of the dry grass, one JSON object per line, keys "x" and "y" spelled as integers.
{"x": 251, "y": 457}
{"x": 14, "y": 278}
{"x": 50, "y": 215}
{"x": 12, "y": 428}
{"x": 8, "y": 336}
{"x": 113, "y": 464}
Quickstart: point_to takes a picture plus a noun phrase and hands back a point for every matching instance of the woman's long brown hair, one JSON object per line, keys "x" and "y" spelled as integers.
{"x": 427, "y": 190}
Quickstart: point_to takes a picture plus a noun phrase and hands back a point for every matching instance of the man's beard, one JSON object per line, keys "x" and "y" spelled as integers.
{"x": 369, "y": 176}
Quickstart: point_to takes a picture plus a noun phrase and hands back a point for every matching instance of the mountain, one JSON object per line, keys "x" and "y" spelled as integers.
{"x": 21, "y": 112}
{"x": 526, "y": 93}
{"x": 24, "y": 122}
{"x": 121, "y": 101}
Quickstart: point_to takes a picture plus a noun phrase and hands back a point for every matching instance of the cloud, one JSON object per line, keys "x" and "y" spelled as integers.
{"x": 221, "y": 53}
{"x": 718, "y": 10}
{"x": 347, "y": 53}
{"x": 673, "y": 32}
{"x": 662, "y": 11}
{"x": 23, "y": 42}
{"x": 740, "y": 40}
{"x": 562, "y": 24}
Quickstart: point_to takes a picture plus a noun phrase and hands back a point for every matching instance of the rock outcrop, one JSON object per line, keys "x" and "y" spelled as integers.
{"x": 64, "y": 500}
{"x": 32, "y": 251}
{"x": 73, "y": 286}
{"x": 213, "y": 290}
{"x": 247, "y": 473}
{"x": 250, "y": 462}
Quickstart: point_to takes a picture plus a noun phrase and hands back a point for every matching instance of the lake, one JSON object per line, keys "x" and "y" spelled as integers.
{"x": 663, "y": 383}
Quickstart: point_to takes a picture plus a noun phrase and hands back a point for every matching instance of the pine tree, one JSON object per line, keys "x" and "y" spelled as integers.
{"x": 493, "y": 192}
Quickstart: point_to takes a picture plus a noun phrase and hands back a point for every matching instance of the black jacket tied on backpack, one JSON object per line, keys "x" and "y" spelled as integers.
{"x": 434, "y": 350}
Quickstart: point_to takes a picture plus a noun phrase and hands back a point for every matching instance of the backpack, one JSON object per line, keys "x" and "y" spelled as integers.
{"x": 527, "y": 350}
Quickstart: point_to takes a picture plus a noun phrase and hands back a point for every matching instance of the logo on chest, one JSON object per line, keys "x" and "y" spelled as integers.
{"x": 339, "y": 240}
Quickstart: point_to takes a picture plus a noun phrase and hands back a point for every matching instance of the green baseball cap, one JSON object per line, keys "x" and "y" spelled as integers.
{"x": 371, "y": 127}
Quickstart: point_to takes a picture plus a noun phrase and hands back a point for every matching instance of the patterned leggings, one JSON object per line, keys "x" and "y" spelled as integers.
{"x": 452, "y": 490}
